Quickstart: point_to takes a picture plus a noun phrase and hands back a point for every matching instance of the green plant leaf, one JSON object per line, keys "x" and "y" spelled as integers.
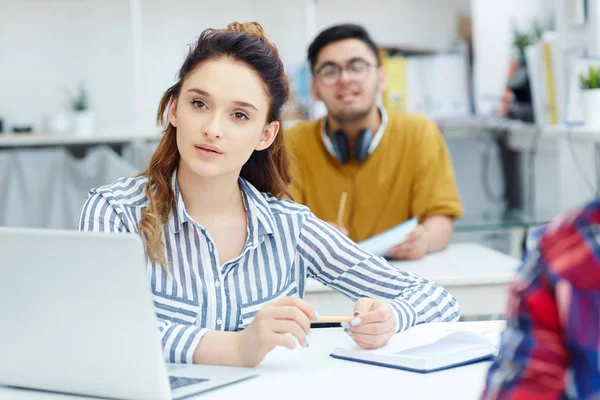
{"x": 583, "y": 82}
{"x": 79, "y": 101}
{"x": 591, "y": 77}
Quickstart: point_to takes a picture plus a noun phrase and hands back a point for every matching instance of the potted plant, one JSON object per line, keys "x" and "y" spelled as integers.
{"x": 83, "y": 121}
{"x": 520, "y": 41}
{"x": 590, "y": 88}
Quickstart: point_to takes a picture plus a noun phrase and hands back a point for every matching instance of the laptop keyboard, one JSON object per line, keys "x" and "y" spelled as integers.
{"x": 179, "y": 381}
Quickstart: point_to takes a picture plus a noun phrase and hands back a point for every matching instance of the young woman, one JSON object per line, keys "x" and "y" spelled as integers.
{"x": 227, "y": 257}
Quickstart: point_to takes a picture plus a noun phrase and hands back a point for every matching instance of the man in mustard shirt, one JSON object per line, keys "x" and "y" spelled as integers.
{"x": 391, "y": 166}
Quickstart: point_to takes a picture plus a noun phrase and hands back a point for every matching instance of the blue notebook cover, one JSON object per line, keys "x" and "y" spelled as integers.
{"x": 489, "y": 357}
{"x": 422, "y": 354}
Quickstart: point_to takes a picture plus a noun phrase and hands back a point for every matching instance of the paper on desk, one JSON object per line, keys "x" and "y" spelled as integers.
{"x": 423, "y": 334}
{"x": 492, "y": 330}
{"x": 380, "y": 244}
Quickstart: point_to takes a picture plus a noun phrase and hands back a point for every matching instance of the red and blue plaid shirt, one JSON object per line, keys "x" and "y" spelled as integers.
{"x": 550, "y": 348}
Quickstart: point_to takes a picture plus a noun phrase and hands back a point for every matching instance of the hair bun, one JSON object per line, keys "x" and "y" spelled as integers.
{"x": 254, "y": 29}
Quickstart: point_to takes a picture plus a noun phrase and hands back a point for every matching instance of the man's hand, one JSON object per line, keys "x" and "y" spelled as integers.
{"x": 415, "y": 246}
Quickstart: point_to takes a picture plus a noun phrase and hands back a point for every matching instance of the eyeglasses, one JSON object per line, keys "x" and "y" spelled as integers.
{"x": 329, "y": 73}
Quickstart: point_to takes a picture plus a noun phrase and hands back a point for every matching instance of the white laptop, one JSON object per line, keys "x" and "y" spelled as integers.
{"x": 77, "y": 317}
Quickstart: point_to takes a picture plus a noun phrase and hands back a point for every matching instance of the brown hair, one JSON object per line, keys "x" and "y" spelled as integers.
{"x": 267, "y": 170}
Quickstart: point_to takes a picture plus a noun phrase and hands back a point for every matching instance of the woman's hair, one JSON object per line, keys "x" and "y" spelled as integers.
{"x": 267, "y": 170}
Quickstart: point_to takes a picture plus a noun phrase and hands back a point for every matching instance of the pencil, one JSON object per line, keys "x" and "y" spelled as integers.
{"x": 330, "y": 322}
{"x": 326, "y": 320}
{"x": 340, "y": 218}
{"x": 316, "y": 325}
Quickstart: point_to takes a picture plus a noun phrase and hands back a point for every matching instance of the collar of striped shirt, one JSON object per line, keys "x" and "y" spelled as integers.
{"x": 260, "y": 217}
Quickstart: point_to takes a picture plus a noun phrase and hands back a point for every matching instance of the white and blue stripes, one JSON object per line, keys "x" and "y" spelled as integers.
{"x": 285, "y": 244}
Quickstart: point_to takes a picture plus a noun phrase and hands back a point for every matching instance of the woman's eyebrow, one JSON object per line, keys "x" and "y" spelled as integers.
{"x": 244, "y": 104}
{"x": 236, "y": 102}
{"x": 199, "y": 91}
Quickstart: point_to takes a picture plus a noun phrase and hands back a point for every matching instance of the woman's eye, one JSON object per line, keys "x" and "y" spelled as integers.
{"x": 198, "y": 104}
{"x": 240, "y": 116}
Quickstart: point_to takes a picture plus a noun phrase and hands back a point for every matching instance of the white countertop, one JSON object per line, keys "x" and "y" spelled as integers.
{"x": 312, "y": 374}
{"x": 40, "y": 139}
{"x": 452, "y": 128}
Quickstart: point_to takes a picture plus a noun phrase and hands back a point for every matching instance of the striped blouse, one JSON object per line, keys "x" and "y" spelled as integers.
{"x": 285, "y": 243}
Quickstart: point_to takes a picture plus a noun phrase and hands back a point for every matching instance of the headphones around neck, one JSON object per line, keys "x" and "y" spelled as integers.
{"x": 341, "y": 147}
{"x": 366, "y": 142}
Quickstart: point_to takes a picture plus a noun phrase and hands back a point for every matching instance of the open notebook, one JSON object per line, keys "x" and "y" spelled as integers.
{"x": 379, "y": 245}
{"x": 429, "y": 347}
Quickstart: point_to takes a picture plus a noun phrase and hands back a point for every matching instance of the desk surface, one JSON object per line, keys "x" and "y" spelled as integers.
{"x": 463, "y": 264}
{"x": 474, "y": 126}
{"x": 500, "y": 220}
{"x": 312, "y": 373}
{"x": 43, "y": 140}
{"x": 577, "y": 133}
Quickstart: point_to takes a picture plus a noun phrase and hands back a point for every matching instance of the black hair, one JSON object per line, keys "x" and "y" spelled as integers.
{"x": 337, "y": 33}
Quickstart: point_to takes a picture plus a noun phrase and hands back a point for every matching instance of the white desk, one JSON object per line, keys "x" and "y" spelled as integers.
{"x": 477, "y": 276}
{"x": 46, "y": 140}
{"x": 311, "y": 374}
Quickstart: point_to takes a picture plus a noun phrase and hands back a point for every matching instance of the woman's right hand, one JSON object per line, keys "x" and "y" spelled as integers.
{"x": 269, "y": 328}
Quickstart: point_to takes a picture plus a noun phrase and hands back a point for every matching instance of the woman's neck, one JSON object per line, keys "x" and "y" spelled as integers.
{"x": 207, "y": 199}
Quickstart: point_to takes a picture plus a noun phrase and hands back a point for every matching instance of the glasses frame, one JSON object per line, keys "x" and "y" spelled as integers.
{"x": 340, "y": 69}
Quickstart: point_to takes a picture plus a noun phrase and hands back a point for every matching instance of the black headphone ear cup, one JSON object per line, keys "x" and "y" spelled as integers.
{"x": 340, "y": 146}
{"x": 363, "y": 142}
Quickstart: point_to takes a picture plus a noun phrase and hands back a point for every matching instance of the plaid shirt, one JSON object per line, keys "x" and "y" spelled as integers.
{"x": 550, "y": 348}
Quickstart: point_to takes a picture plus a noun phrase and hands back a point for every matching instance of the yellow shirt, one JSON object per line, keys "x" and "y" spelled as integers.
{"x": 409, "y": 174}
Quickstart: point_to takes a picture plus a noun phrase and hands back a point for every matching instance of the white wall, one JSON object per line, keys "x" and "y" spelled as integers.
{"x": 424, "y": 23}
{"x": 169, "y": 26}
{"x": 492, "y": 48}
{"x": 46, "y": 46}
{"x": 587, "y": 35}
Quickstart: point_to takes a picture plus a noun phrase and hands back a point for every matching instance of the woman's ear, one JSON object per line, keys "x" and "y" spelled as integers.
{"x": 172, "y": 111}
{"x": 268, "y": 136}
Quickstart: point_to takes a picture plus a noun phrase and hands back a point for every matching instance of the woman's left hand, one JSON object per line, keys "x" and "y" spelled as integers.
{"x": 373, "y": 325}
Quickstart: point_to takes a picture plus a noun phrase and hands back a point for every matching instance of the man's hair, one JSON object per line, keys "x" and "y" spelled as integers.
{"x": 337, "y": 33}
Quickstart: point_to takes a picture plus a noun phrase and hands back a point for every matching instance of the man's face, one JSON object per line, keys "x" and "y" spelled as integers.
{"x": 347, "y": 79}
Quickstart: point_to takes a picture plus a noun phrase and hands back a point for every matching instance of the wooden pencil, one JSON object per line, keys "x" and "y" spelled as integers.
{"x": 330, "y": 319}
{"x": 341, "y": 209}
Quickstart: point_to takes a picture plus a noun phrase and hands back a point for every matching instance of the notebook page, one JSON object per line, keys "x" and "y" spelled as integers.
{"x": 380, "y": 244}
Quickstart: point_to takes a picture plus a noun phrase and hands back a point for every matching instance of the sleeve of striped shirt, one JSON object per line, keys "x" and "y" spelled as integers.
{"x": 341, "y": 264}
{"x": 179, "y": 341}
{"x": 98, "y": 215}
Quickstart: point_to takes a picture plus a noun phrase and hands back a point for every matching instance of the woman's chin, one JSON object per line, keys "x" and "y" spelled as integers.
{"x": 207, "y": 172}
{"x": 201, "y": 169}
